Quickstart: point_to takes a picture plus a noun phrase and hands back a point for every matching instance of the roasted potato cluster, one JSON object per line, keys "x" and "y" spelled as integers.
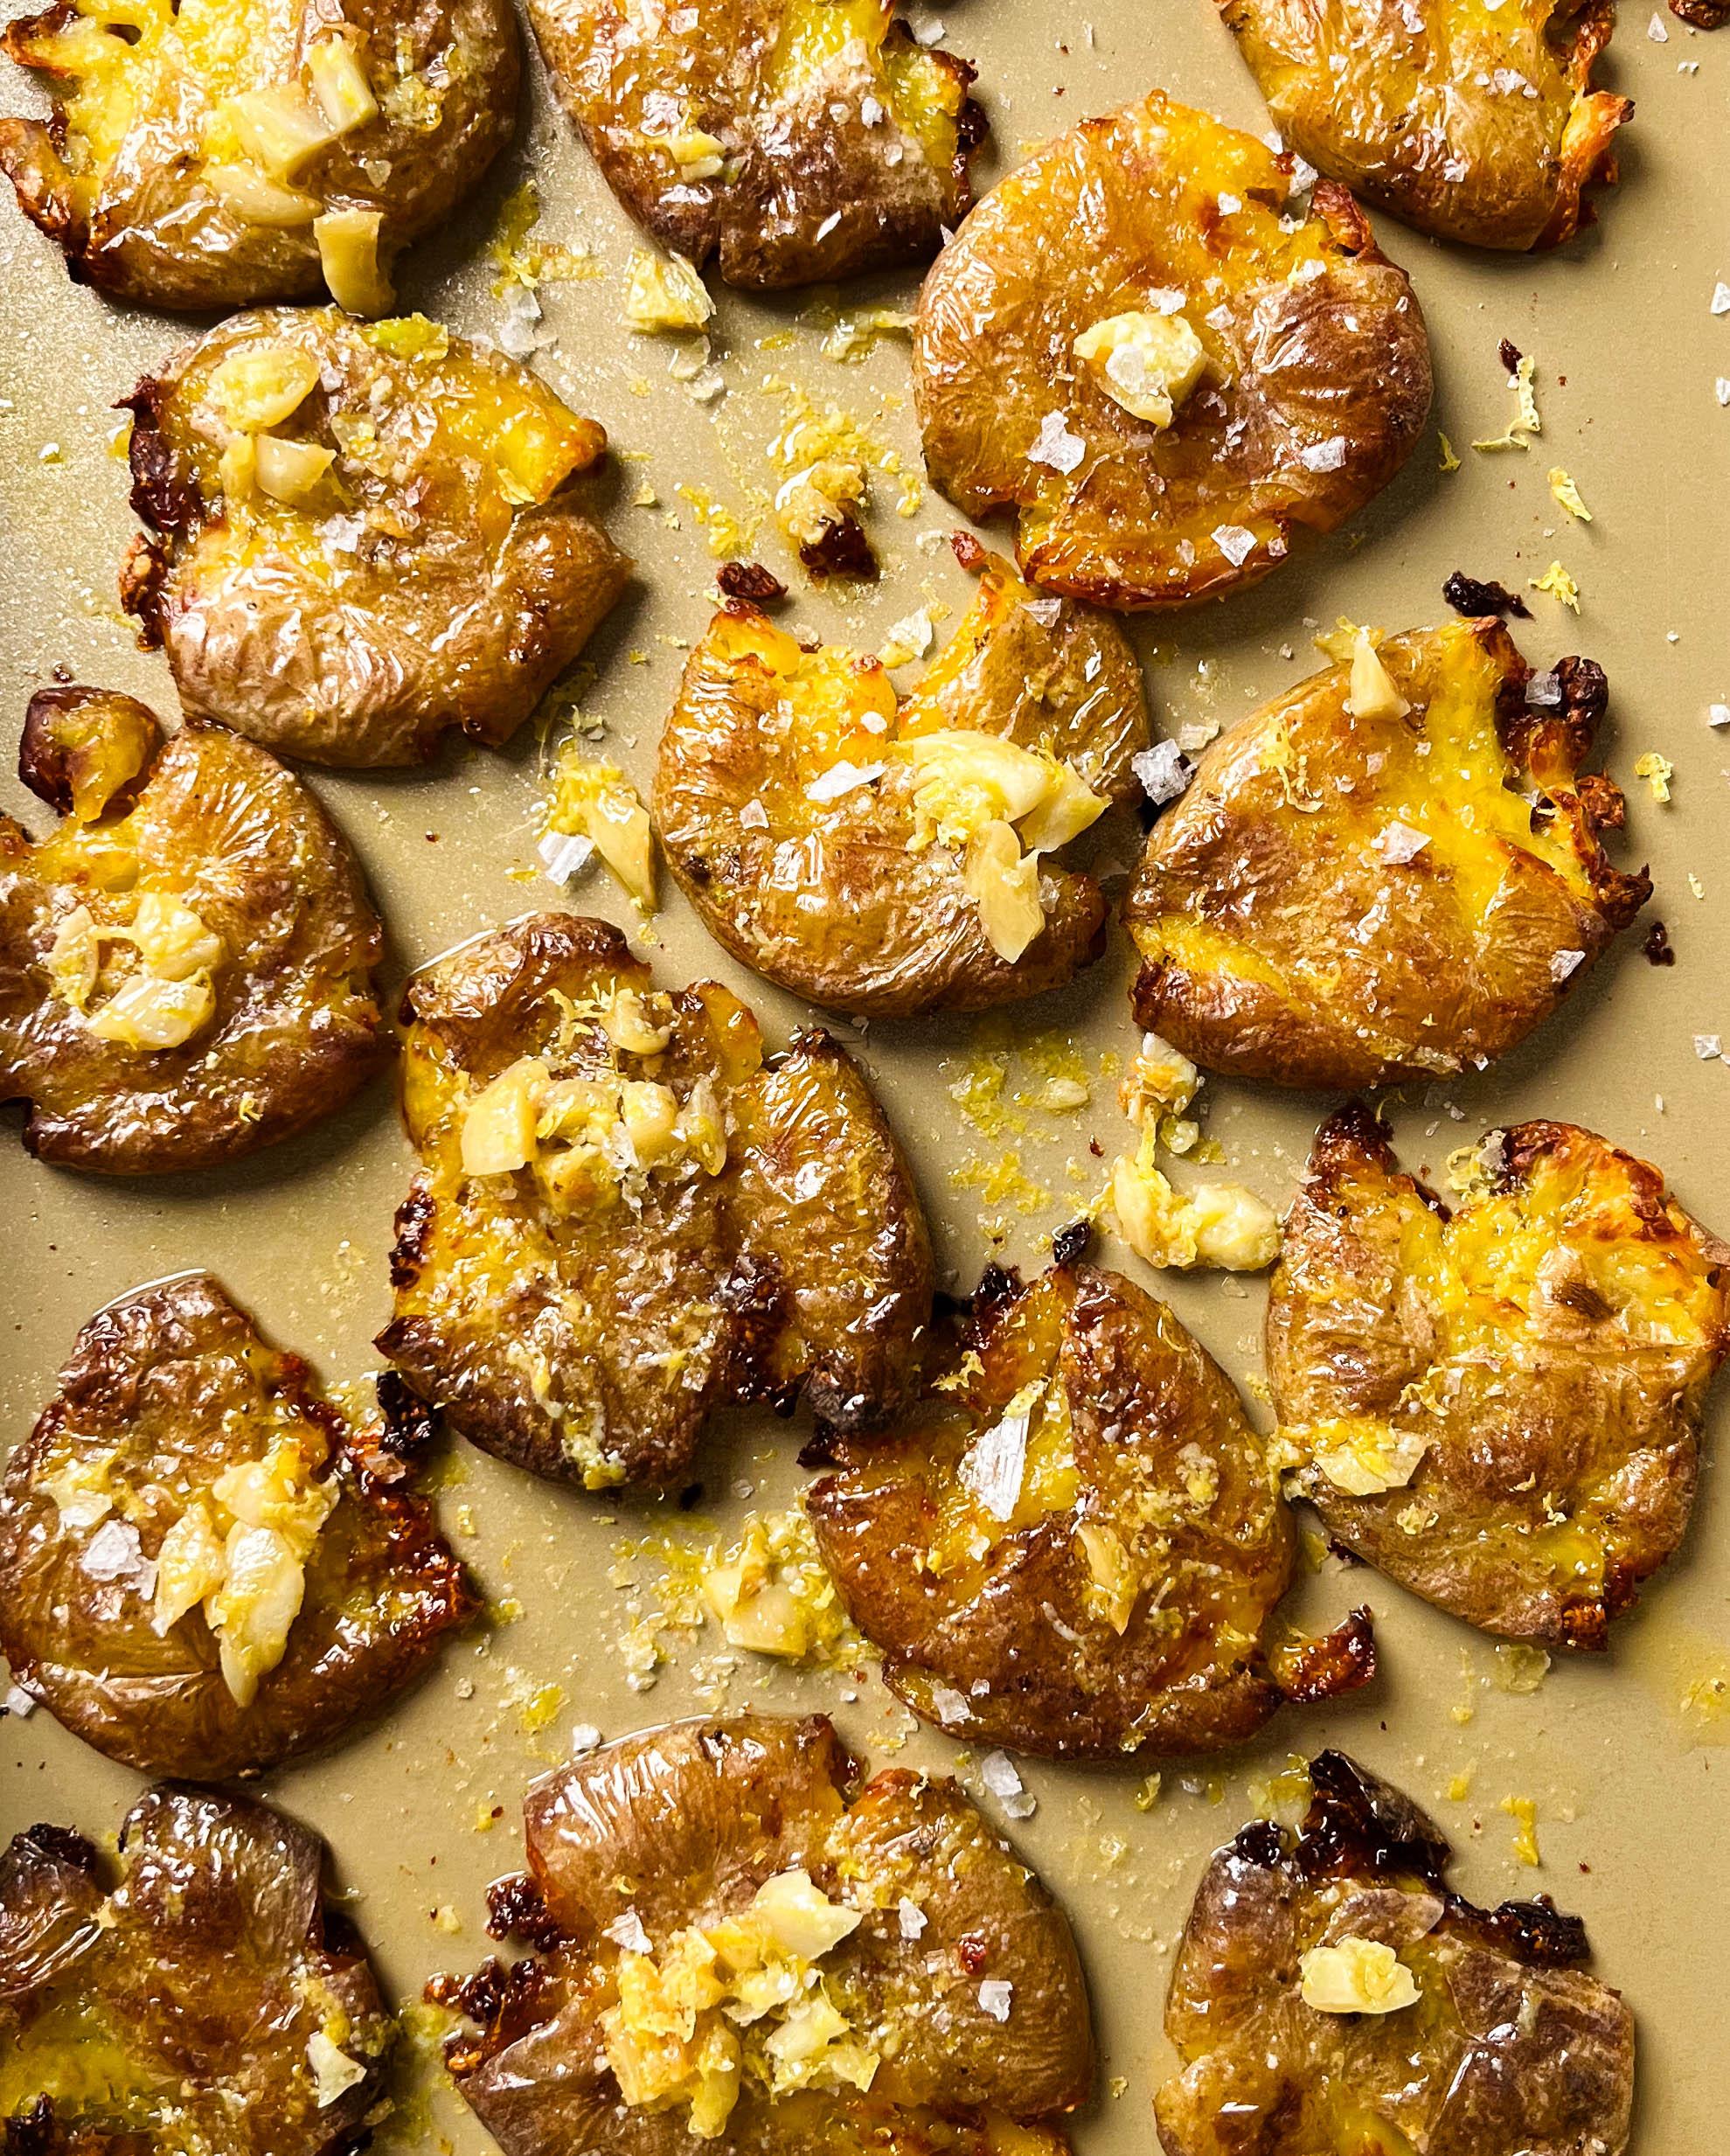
{"x": 198, "y": 1574}
{"x": 867, "y": 851}
{"x": 795, "y": 140}
{"x": 1133, "y": 348}
{"x": 1395, "y": 871}
{"x": 366, "y": 532}
{"x": 1076, "y": 1548}
{"x": 1332, "y": 1991}
{"x": 627, "y": 1216}
{"x": 209, "y": 2003}
{"x": 1470, "y": 122}
{"x": 216, "y": 154}
{"x": 186, "y": 962}
{"x": 1500, "y": 1406}
{"x": 743, "y": 1950}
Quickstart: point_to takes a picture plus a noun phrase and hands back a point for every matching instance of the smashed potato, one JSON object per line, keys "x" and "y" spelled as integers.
{"x": 627, "y": 1216}
{"x": 1394, "y": 871}
{"x": 215, "y": 154}
{"x": 1499, "y": 1406}
{"x": 185, "y": 962}
{"x": 1467, "y": 121}
{"x": 198, "y": 1574}
{"x": 1077, "y": 1547}
{"x": 743, "y": 1949}
{"x": 367, "y": 533}
{"x": 795, "y": 140}
{"x": 211, "y": 2002}
{"x": 889, "y": 857}
{"x": 1129, "y": 346}
{"x": 1488, "y": 2037}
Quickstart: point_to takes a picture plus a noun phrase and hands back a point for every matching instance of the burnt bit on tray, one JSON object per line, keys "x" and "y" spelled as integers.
{"x": 844, "y": 550}
{"x": 750, "y": 580}
{"x": 1475, "y": 596}
{"x": 1656, "y": 946}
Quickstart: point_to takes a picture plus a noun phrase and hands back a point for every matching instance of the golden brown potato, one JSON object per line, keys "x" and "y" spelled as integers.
{"x": 186, "y": 962}
{"x": 842, "y": 843}
{"x": 1467, "y": 122}
{"x": 368, "y": 533}
{"x": 1394, "y": 871}
{"x": 627, "y": 1216}
{"x": 1499, "y": 1406}
{"x": 1334, "y": 1993}
{"x": 793, "y": 140}
{"x": 216, "y": 154}
{"x": 866, "y": 1971}
{"x": 1126, "y": 346}
{"x": 209, "y": 2003}
{"x": 198, "y": 1574}
{"x": 1077, "y": 1547}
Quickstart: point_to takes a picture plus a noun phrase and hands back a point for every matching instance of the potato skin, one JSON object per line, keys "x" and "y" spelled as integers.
{"x": 1246, "y": 879}
{"x": 1510, "y": 2045}
{"x": 208, "y": 1969}
{"x": 1511, "y": 1334}
{"x": 355, "y": 639}
{"x": 297, "y": 1029}
{"x": 1403, "y": 106}
{"x": 1334, "y": 368}
{"x": 145, "y": 223}
{"x": 804, "y": 1264}
{"x": 816, "y": 192}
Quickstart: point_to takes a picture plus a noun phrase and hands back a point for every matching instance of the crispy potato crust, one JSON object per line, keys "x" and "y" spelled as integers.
{"x": 680, "y": 1827}
{"x": 582, "y": 1317}
{"x": 1342, "y": 901}
{"x": 120, "y": 178}
{"x": 835, "y": 899}
{"x": 165, "y": 1391}
{"x": 1316, "y": 385}
{"x": 1468, "y": 122}
{"x": 1110, "y": 1589}
{"x": 1508, "y": 2046}
{"x": 1548, "y": 1344}
{"x": 219, "y": 826}
{"x": 176, "y": 2012}
{"x": 795, "y": 140}
{"x": 441, "y": 574}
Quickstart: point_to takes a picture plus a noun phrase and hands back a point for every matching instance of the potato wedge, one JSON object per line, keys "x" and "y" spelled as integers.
{"x": 1499, "y": 1406}
{"x": 626, "y": 1215}
{"x": 1509, "y": 2044}
{"x": 1297, "y": 383}
{"x": 366, "y": 533}
{"x": 794, "y": 140}
{"x": 194, "y": 146}
{"x": 185, "y": 963}
{"x": 210, "y": 2002}
{"x": 1467, "y": 122}
{"x": 859, "y": 898}
{"x": 1345, "y": 898}
{"x": 904, "y": 1984}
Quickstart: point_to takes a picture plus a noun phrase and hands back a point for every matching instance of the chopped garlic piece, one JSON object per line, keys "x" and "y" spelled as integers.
{"x": 1067, "y": 810}
{"x": 1114, "y": 1584}
{"x": 262, "y": 385}
{"x": 340, "y": 84}
{"x": 1161, "y": 1082}
{"x": 258, "y": 200}
{"x": 1657, "y": 771}
{"x": 191, "y": 1566}
{"x": 1557, "y": 581}
{"x": 289, "y": 472}
{"x": 1372, "y": 694}
{"x": 499, "y": 1123}
{"x": 255, "y": 1609}
{"x": 799, "y": 1919}
{"x": 1361, "y": 1456}
{"x": 333, "y": 2072}
{"x": 348, "y": 255}
{"x": 1221, "y": 1225}
{"x": 144, "y": 1012}
{"x": 280, "y": 128}
{"x": 1569, "y": 495}
{"x": 1356, "y": 1976}
{"x": 665, "y": 295}
{"x": 1006, "y": 887}
{"x": 1148, "y": 364}
{"x": 600, "y": 802}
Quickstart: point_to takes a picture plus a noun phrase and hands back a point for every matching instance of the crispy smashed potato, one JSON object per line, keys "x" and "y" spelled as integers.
{"x": 1420, "y": 2022}
{"x": 1127, "y": 346}
{"x": 627, "y": 1216}
{"x": 867, "y": 853}
{"x": 197, "y": 1574}
{"x": 1471, "y": 122}
{"x": 743, "y": 1950}
{"x": 1077, "y": 1547}
{"x": 1394, "y": 871}
{"x": 185, "y": 962}
{"x": 209, "y": 2003}
{"x": 1498, "y": 1407}
{"x": 368, "y": 532}
{"x": 795, "y": 140}
{"x": 216, "y": 154}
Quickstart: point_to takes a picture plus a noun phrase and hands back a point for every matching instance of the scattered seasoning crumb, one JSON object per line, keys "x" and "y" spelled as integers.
{"x": 1657, "y": 946}
{"x": 1460, "y": 1786}
{"x": 1557, "y": 581}
{"x": 1447, "y": 460}
{"x": 1696, "y": 886}
{"x": 1523, "y": 1811}
{"x": 1657, "y": 771}
{"x": 1526, "y": 419}
{"x": 1567, "y": 494}
{"x": 1146, "y": 1796}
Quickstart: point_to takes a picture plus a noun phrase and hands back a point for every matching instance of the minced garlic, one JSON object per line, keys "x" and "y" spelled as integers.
{"x": 1222, "y": 1225}
{"x": 598, "y": 801}
{"x": 1147, "y": 363}
{"x": 1359, "y": 1455}
{"x": 1559, "y": 585}
{"x": 1356, "y": 1976}
{"x": 665, "y": 295}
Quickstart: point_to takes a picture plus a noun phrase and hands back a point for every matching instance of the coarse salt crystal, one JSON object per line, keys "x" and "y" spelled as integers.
{"x": 1655, "y": 30}
{"x": 1708, "y": 1047}
{"x": 1722, "y": 390}
{"x": 566, "y": 854}
{"x": 1164, "y": 771}
{"x": 1401, "y": 843}
{"x": 1046, "y": 612}
{"x": 754, "y": 817}
{"x": 584, "y": 1738}
{"x": 995, "y": 1995}
{"x": 1056, "y": 446}
{"x": 114, "y": 1552}
{"x": 1236, "y": 542}
{"x": 841, "y": 778}
{"x": 18, "y": 1702}
{"x": 1566, "y": 962}
{"x": 998, "y": 1771}
{"x": 627, "y": 1931}
{"x": 1717, "y": 715}
{"x": 1543, "y": 692}
{"x": 911, "y": 1916}
{"x": 1324, "y": 456}
{"x": 1720, "y": 298}
{"x": 951, "y": 1705}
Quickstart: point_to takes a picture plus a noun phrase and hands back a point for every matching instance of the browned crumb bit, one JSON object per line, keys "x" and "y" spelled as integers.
{"x": 515, "y": 1909}
{"x": 1658, "y": 946}
{"x": 1703, "y": 14}
{"x": 844, "y": 550}
{"x": 1473, "y": 597}
{"x": 750, "y": 580}
{"x": 1510, "y": 354}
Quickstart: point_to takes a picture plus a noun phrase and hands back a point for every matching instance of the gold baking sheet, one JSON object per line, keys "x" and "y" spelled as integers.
{"x": 1633, "y": 1803}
